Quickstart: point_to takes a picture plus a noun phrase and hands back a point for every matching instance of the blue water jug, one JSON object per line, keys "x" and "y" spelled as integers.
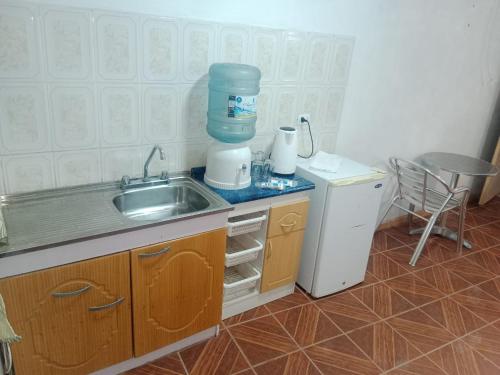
{"x": 232, "y": 99}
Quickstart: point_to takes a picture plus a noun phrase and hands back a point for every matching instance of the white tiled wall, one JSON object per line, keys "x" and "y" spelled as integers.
{"x": 84, "y": 94}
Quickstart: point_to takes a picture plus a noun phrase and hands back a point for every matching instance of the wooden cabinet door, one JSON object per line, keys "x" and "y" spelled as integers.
{"x": 63, "y": 319}
{"x": 287, "y": 218}
{"x": 177, "y": 289}
{"x": 281, "y": 260}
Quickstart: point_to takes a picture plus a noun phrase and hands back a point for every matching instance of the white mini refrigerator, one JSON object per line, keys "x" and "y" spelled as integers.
{"x": 342, "y": 218}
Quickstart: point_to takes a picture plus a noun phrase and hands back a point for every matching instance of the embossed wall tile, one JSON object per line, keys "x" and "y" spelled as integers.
{"x": 67, "y": 44}
{"x": 23, "y": 119}
{"x": 285, "y": 106}
{"x": 29, "y": 173}
{"x": 160, "y": 43}
{"x": 160, "y": 108}
{"x": 292, "y": 56}
{"x": 157, "y": 166}
{"x": 3, "y": 188}
{"x": 333, "y": 104}
{"x": 340, "y": 60}
{"x": 117, "y": 162}
{"x": 19, "y": 53}
{"x": 77, "y": 168}
{"x": 119, "y": 115}
{"x": 194, "y": 112}
{"x": 312, "y": 102}
{"x": 233, "y": 44}
{"x": 319, "y": 48}
{"x": 192, "y": 155}
{"x": 327, "y": 142}
{"x": 265, "y": 114}
{"x": 199, "y": 49}
{"x": 265, "y": 51}
{"x": 73, "y": 117}
{"x": 116, "y": 46}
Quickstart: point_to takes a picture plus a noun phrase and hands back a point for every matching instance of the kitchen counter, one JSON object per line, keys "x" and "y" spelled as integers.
{"x": 52, "y": 218}
{"x": 252, "y": 192}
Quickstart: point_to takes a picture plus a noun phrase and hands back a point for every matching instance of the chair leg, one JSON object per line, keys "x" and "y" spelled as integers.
{"x": 423, "y": 239}
{"x": 410, "y": 217}
{"x": 387, "y": 210}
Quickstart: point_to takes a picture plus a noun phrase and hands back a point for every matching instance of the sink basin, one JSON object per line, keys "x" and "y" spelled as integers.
{"x": 160, "y": 202}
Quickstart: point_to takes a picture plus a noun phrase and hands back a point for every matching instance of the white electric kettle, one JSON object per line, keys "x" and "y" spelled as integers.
{"x": 284, "y": 154}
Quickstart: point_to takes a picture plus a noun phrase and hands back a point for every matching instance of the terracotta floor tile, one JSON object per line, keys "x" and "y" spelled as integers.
{"x": 441, "y": 250}
{"x": 292, "y": 364}
{"x": 479, "y": 239}
{"x": 488, "y": 213}
{"x": 339, "y": 356}
{"x": 492, "y": 287}
{"x": 307, "y": 324}
{"x": 479, "y": 302}
{"x": 369, "y": 280}
{"x": 487, "y": 342}
{"x": 384, "y": 345}
{"x": 402, "y": 256}
{"x": 246, "y": 372}
{"x": 443, "y": 279}
{"x": 347, "y": 311}
{"x": 456, "y": 318}
{"x": 487, "y": 260}
{"x": 262, "y": 339}
{"x": 384, "y": 268}
{"x": 474, "y": 219}
{"x": 492, "y": 229}
{"x": 247, "y": 315}
{"x": 458, "y": 358}
{"x": 420, "y": 366}
{"x": 219, "y": 355}
{"x": 420, "y": 330}
{"x": 382, "y": 300}
{"x": 414, "y": 289}
{"x": 401, "y": 234}
{"x": 468, "y": 270}
{"x": 297, "y": 298}
{"x": 171, "y": 362}
{"x": 382, "y": 241}
{"x": 149, "y": 369}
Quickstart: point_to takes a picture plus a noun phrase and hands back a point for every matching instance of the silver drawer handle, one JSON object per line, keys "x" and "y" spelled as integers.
{"x": 103, "y": 307}
{"x": 72, "y": 293}
{"x": 149, "y": 255}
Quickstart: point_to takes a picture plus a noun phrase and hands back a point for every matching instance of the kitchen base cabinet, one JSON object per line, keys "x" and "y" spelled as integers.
{"x": 285, "y": 234}
{"x": 177, "y": 289}
{"x": 73, "y": 319}
{"x": 282, "y": 258}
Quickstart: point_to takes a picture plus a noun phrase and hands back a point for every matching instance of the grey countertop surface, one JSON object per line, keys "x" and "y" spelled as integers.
{"x": 51, "y": 218}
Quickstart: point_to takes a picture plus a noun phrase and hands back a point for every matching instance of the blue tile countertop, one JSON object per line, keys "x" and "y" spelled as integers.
{"x": 252, "y": 192}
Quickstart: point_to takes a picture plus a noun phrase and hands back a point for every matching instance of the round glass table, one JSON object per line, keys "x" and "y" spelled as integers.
{"x": 457, "y": 165}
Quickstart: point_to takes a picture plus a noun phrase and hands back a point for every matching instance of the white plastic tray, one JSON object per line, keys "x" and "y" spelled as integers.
{"x": 238, "y": 279}
{"x": 245, "y": 223}
{"x": 242, "y": 249}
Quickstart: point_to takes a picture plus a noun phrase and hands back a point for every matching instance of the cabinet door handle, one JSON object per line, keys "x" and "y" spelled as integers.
{"x": 270, "y": 248}
{"x": 288, "y": 225}
{"x": 72, "y": 293}
{"x": 149, "y": 255}
{"x": 107, "y": 306}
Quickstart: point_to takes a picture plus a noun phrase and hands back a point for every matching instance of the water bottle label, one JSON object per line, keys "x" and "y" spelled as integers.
{"x": 241, "y": 106}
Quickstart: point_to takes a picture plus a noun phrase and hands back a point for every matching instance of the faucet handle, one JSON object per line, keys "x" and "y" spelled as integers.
{"x": 125, "y": 181}
{"x": 164, "y": 175}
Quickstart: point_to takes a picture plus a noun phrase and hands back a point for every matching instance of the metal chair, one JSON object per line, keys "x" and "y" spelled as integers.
{"x": 420, "y": 188}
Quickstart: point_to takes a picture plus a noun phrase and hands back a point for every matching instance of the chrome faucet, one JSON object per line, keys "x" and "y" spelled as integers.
{"x": 146, "y": 165}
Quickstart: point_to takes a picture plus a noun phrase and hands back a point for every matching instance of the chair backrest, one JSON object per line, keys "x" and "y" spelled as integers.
{"x": 416, "y": 184}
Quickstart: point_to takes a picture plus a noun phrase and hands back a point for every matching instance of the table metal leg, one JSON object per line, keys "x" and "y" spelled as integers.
{"x": 443, "y": 232}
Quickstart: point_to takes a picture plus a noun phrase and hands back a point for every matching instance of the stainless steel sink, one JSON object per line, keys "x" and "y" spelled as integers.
{"x": 162, "y": 202}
